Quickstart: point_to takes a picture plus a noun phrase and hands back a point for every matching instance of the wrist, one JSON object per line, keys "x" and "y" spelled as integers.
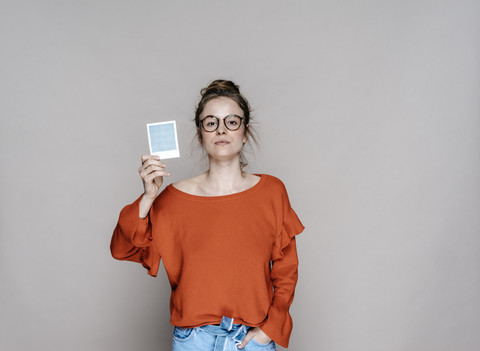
{"x": 148, "y": 197}
{"x": 145, "y": 204}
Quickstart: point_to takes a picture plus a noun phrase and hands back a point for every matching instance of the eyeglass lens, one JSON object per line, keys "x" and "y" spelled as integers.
{"x": 232, "y": 122}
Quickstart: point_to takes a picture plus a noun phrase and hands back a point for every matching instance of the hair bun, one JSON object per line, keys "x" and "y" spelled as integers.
{"x": 221, "y": 87}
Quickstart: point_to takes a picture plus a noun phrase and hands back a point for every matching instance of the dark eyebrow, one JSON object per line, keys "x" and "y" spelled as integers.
{"x": 232, "y": 114}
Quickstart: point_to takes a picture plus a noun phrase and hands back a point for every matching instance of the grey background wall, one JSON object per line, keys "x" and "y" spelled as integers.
{"x": 367, "y": 110}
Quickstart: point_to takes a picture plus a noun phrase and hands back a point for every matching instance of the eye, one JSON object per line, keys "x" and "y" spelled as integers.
{"x": 232, "y": 122}
{"x": 210, "y": 122}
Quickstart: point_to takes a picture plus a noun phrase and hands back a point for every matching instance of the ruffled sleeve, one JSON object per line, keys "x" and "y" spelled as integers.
{"x": 290, "y": 227}
{"x": 284, "y": 273}
{"x": 132, "y": 239}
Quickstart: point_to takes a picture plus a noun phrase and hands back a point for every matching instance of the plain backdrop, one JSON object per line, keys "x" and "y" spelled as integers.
{"x": 367, "y": 110}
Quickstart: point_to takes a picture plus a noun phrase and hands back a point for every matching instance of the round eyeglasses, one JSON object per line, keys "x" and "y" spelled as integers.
{"x": 211, "y": 123}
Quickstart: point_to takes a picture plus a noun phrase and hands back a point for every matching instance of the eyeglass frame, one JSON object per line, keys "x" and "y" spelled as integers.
{"x": 224, "y": 122}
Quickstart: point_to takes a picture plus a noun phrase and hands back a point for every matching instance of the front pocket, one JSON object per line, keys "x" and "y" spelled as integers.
{"x": 258, "y": 344}
{"x": 182, "y": 334}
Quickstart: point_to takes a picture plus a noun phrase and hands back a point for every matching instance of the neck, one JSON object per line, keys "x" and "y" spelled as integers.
{"x": 224, "y": 175}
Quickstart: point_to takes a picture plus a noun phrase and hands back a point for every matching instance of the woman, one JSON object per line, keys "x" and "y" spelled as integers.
{"x": 226, "y": 237}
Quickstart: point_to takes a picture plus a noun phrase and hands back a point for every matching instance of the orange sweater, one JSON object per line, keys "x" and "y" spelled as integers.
{"x": 232, "y": 255}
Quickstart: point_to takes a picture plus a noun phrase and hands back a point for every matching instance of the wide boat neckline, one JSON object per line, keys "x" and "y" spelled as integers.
{"x": 252, "y": 189}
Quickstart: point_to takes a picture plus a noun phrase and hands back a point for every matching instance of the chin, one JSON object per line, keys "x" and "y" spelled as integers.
{"x": 224, "y": 156}
{"x": 223, "y": 152}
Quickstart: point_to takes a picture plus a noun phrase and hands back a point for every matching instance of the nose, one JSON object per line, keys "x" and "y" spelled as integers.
{"x": 221, "y": 128}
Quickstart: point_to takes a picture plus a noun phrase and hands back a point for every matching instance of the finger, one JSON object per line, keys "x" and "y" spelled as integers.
{"x": 152, "y": 168}
{"x": 155, "y": 174}
{"x": 149, "y": 178}
{"x": 152, "y": 161}
{"x": 145, "y": 167}
{"x": 146, "y": 157}
{"x": 245, "y": 340}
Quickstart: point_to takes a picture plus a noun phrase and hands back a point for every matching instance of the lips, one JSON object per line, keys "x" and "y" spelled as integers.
{"x": 222, "y": 142}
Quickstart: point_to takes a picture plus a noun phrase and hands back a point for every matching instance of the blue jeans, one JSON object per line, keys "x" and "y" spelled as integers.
{"x": 225, "y": 337}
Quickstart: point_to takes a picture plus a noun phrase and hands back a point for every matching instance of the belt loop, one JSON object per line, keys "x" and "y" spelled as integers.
{"x": 226, "y": 323}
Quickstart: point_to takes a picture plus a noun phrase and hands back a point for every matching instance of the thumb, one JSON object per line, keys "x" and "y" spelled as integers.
{"x": 158, "y": 181}
{"x": 245, "y": 340}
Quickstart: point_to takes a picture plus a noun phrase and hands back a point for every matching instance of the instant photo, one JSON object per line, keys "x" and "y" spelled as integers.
{"x": 162, "y": 139}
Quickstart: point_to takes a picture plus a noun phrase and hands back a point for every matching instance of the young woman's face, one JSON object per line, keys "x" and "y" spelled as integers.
{"x": 223, "y": 143}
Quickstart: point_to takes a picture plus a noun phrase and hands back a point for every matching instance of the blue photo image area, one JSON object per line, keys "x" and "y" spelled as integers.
{"x": 162, "y": 137}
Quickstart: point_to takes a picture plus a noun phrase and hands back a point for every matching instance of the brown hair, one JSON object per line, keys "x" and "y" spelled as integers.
{"x": 229, "y": 89}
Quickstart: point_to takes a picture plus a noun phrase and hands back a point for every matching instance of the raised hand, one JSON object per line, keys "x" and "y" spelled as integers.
{"x": 152, "y": 172}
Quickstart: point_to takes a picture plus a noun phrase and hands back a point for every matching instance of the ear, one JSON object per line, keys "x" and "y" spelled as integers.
{"x": 246, "y": 134}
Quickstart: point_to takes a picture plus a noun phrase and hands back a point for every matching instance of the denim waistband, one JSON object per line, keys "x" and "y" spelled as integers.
{"x": 225, "y": 330}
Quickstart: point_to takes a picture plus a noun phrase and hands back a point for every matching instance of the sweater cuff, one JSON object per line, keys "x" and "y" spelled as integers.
{"x": 278, "y": 325}
{"x": 140, "y": 235}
